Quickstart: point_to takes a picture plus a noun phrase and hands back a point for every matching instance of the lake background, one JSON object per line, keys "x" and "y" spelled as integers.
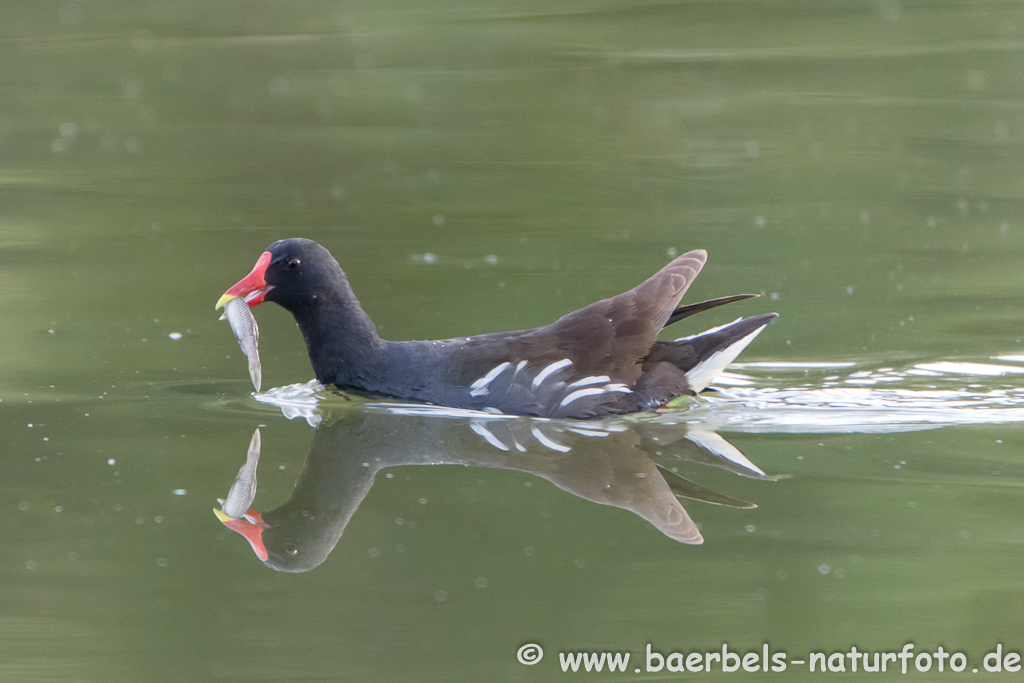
{"x": 486, "y": 166}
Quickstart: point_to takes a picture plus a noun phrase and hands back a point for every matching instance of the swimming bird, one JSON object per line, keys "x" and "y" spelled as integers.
{"x": 603, "y": 359}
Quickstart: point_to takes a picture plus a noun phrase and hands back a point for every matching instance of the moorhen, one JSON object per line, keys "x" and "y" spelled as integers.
{"x": 603, "y": 359}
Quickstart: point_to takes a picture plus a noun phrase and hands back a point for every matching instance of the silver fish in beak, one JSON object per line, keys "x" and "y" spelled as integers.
{"x": 243, "y": 325}
{"x": 243, "y": 490}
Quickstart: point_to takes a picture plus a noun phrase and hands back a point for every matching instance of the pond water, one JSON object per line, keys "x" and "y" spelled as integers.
{"x": 856, "y": 478}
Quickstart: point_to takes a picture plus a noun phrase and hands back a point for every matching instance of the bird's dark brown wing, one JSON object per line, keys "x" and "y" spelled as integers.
{"x": 582, "y": 365}
{"x": 613, "y": 335}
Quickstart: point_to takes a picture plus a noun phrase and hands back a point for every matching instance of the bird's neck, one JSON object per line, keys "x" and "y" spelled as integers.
{"x": 341, "y": 339}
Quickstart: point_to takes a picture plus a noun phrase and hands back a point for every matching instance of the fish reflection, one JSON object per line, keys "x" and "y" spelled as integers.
{"x": 609, "y": 463}
{"x": 243, "y": 491}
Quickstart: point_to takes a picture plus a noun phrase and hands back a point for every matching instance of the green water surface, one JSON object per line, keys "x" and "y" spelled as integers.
{"x": 481, "y": 166}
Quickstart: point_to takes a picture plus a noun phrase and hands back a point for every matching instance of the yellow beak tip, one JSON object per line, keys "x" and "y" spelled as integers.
{"x": 223, "y": 300}
{"x": 221, "y": 516}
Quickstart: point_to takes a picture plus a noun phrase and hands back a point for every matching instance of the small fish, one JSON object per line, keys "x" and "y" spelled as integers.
{"x": 243, "y": 490}
{"x": 243, "y": 324}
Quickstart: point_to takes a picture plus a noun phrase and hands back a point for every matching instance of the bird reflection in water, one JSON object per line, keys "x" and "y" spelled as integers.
{"x": 610, "y": 463}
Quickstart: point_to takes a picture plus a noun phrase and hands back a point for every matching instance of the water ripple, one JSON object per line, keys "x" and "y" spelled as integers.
{"x": 814, "y": 398}
{"x": 787, "y": 397}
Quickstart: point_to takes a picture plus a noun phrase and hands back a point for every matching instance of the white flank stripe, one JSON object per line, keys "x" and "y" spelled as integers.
{"x": 519, "y": 366}
{"x": 617, "y": 386}
{"x": 580, "y": 393}
{"x": 479, "y": 387}
{"x": 546, "y": 372}
{"x": 553, "y": 445}
{"x": 720, "y": 447}
{"x": 587, "y": 381}
{"x": 704, "y": 373}
{"x": 487, "y": 435}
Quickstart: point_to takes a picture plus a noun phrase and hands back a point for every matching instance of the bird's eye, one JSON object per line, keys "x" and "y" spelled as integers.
{"x": 293, "y": 264}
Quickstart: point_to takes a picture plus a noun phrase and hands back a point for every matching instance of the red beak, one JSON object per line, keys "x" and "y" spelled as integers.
{"x": 253, "y": 286}
{"x": 251, "y": 526}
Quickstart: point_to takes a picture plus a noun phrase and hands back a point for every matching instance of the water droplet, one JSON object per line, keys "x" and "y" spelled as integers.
{"x": 69, "y": 13}
{"x": 413, "y": 92}
{"x": 280, "y": 86}
{"x": 132, "y": 89}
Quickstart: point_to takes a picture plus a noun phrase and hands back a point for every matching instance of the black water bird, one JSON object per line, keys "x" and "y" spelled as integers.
{"x": 603, "y": 359}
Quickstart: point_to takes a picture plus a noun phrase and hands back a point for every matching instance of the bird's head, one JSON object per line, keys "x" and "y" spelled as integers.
{"x": 291, "y": 272}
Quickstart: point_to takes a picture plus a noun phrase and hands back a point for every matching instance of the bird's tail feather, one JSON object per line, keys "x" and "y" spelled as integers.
{"x": 716, "y": 348}
{"x": 701, "y": 306}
